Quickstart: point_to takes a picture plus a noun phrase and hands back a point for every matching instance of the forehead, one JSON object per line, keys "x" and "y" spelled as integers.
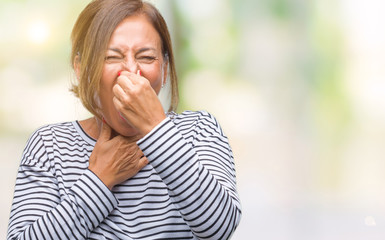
{"x": 135, "y": 31}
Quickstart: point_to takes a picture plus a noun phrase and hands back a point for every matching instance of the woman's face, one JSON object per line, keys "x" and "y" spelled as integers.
{"x": 134, "y": 45}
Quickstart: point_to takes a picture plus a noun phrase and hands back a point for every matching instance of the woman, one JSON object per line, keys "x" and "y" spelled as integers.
{"x": 131, "y": 171}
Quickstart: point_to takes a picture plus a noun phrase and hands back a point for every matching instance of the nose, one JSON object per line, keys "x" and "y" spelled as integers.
{"x": 131, "y": 65}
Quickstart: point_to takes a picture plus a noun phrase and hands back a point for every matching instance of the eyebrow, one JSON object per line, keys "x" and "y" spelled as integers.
{"x": 117, "y": 50}
{"x": 146, "y": 49}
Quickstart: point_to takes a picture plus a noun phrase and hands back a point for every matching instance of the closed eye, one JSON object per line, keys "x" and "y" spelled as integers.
{"x": 113, "y": 58}
{"x": 147, "y": 59}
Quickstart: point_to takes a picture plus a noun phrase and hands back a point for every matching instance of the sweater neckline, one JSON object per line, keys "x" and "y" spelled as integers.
{"x": 83, "y": 134}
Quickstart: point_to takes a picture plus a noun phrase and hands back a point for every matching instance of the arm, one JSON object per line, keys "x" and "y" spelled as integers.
{"x": 199, "y": 172}
{"x": 194, "y": 160}
{"x": 40, "y": 211}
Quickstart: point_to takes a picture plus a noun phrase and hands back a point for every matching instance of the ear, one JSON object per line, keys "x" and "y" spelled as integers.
{"x": 77, "y": 66}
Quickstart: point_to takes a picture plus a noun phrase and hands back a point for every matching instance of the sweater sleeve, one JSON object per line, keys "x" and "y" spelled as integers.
{"x": 198, "y": 168}
{"x": 40, "y": 211}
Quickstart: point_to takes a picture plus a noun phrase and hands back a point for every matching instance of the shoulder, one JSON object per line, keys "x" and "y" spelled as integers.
{"x": 42, "y": 138}
{"x": 194, "y": 117}
{"x": 197, "y": 120}
{"x": 57, "y": 129}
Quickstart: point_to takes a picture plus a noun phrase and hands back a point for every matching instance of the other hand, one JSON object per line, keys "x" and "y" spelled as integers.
{"x": 116, "y": 159}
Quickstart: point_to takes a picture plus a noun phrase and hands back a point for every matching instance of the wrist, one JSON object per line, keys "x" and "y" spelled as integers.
{"x": 153, "y": 124}
{"x": 102, "y": 178}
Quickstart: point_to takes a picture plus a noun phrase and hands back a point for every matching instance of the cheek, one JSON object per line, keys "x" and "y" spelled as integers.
{"x": 110, "y": 72}
{"x": 153, "y": 75}
{"x": 107, "y": 81}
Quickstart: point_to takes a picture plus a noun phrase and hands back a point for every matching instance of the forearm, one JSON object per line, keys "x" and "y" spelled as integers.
{"x": 38, "y": 211}
{"x": 207, "y": 202}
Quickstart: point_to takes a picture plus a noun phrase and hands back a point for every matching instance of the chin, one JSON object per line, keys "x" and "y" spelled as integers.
{"x": 121, "y": 127}
{"x": 128, "y": 133}
{"x": 126, "y": 130}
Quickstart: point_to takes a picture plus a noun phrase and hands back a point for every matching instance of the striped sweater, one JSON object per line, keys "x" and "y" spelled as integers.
{"x": 187, "y": 191}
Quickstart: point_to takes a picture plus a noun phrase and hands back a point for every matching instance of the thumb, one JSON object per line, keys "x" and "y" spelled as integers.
{"x": 105, "y": 132}
{"x": 143, "y": 161}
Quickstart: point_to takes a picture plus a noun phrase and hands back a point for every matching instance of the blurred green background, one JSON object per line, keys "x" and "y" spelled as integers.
{"x": 298, "y": 87}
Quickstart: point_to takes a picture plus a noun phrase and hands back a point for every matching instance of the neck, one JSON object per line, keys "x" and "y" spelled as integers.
{"x": 92, "y": 126}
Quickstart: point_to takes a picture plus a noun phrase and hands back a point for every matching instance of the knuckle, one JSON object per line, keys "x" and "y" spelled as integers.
{"x": 115, "y": 88}
{"x": 136, "y": 91}
{"x": 126, "y": 100}
{"x": 122, "y": 100}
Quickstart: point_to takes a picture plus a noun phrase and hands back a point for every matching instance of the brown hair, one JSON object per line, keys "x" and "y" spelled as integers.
{"x": 90, "y": 37}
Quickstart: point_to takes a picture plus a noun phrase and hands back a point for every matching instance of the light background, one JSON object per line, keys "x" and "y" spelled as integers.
{"x": 298, "y": 86}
